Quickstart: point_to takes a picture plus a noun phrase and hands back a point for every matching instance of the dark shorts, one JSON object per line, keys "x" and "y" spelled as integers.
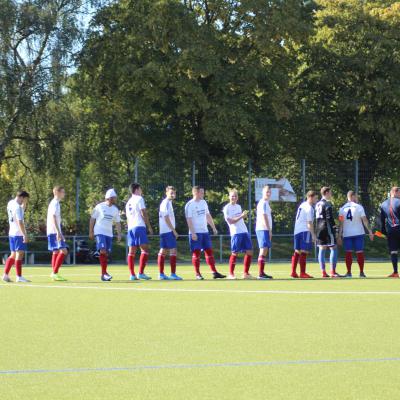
{"x": 203, "y": 242}
{"x": 241, "y": 242}
{"x": 104, "y": 242}
{"x": 393, "y": 237}
{"x": 303, "y": 241}
{"x": 137, "y": 236}
{"x": 167, "y": 241}
{"x": 354, "y": 243}
{"x": 326, "y": 237}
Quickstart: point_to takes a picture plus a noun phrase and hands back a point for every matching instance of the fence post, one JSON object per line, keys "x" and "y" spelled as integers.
{"x": 194, "y": 173}
{"x": 77, "y": 196}
{"x": 136, "y": 169}
{"x": 356, "y": 175}
{"x": 74, "y": 250}
{"x": 303, "y": 177}
{"x": 249, "y": 197}
{"x": 220, "y": 248}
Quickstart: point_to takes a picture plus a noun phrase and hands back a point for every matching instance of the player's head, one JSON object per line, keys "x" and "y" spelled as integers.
{"x": 266, "y": 192}
{"x": 326, "y": 192}
{"x": 352, "y": 196}
{"x": 311, "y": 197}
{"x": 233, "y": 196}
{"x": 198, "y": 192}
{"x": 170, "y": 191}
{"x": 135, "y": 188}
{"x": 59, "y": 192}
{"x": 111, "y": 196}
{"x": 395, "y": 191}
{"x": 22, "y": 196}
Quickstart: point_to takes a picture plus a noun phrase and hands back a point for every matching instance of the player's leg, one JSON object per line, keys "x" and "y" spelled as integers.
{"x": 172, "y": 261}
{"x": 20, "y": 247}
{"x": 235, "y": 244}
{"x": 195, "y": 249}
{"x": 62, "y": 253}
{"x": 144, "y": 256}
{"x": 209, "y": 254}
{"x": 348, "y": 245}
{"x": 131, "y": 261}
{"x": 161, "y": 262}
{"x": 394, "y": 249}
{"x": 321, "y": 260}
{"x": 333, "y": 261}
{"x": 102, "y": 246}
{"x": 305, "y": 248}
{"x": 9, "y": 263}
{"x": 296, "y": 255}
{"x": 247, "y": 246}
{"x": 359, "y": 249}
{"x": 264, "y": 244}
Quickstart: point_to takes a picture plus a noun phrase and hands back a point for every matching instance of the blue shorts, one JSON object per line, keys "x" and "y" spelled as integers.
{"x": 104, "y": 242}
{"x": 263, "y": 239}
{"x": 241, "y": 242}
{"x": 354, "y": 243}
{"x": 52, "y": 243}
{"x": 137, "y": 236}
{"x": 203, "y": 242}
{"x": 167, "y": 241}
{"x": 303, "y": 241}
{"x": 17, "y": 243}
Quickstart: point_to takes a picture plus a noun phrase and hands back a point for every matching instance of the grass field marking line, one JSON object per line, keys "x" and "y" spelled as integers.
{"x": 183, "y": 290}
{"x": 194, "y": 366}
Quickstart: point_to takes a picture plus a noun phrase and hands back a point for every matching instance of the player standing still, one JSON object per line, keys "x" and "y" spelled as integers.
{"x": 198, "y": 217}
{"x": 138, "y": 220}
{"x": 55, "y": 238}
{"x": 17, "y": 235}
{"x": 104, "y": 215}
{"x": 304, "y": 235}
{"x": 352, "y": 220}
{"x": 390, "y": 221}
{"x": 168, "y": 235}
{"x": 264, "y": 230}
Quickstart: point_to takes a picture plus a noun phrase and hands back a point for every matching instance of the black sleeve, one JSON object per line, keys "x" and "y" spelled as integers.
{"x": 329, "y": 216}
{"x": 383, "y": 221}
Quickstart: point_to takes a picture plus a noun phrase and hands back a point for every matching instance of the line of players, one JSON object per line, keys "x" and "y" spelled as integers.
{"x": 315, "y": 223}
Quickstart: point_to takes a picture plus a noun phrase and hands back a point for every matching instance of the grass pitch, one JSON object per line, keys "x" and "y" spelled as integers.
{"x": 280, "y": 339}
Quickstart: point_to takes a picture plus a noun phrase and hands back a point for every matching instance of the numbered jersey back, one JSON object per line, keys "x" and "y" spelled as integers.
{"x": 351, "y": 215}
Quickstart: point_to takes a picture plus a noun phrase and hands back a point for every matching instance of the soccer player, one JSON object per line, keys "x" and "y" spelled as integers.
{"x": 390, "y": 221}
{"x": 103, "y": 217}
{"x": 198, "y": 217}
{"x": 17, "y": 235}
{"x": 304, "y": 235}
{"x": 352, "y": 220}
{"x": 240, "y": 238}
{"x": 138, "y": 220}
{"x": 168, "y": 235}
{"x": 326, "y": 232}
{"x": 264, "y": 230}
{"x": 55, "y": 238}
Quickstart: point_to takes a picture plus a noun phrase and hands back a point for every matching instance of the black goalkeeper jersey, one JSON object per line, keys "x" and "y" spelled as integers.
{"x": 324, "y": 217}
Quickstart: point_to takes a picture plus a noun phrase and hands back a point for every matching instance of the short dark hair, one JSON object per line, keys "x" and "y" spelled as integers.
{"x": 58, "y": 188}
{"x": 311, "y": 193}
{"x": 197, "y": 188}
{"x": 168, "y": 188}
{"x": 23, "y": 193}
{"x": 325, "y": 190}
{"x": 133, "y": 187}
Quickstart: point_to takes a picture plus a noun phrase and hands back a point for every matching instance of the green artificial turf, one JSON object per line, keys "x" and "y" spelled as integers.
{"x": 200, "y": 340}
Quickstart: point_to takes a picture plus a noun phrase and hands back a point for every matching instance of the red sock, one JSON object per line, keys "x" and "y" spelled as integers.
{"x": 59, "y": 261}
{"x": 53, "y": 261}
{"x": 142, "y": 261}
{"x": 18, "y": 267}
{"x": 247, "y": 263}
{"x": 131, "y": 263}
{"x": 196, "y": 261}
{"x": 210, "y": 260}
{"x": 172, "y": 261}
{"x": 295, "y": 260}
{"x": 232, "y": 263}
{"x": 361, "y": 260}
{"x": 349, "y": 261}
{"x": 261, "y": 265}
{"x": 303, "y": 261}
{"x": 9, "y": 263}
{"x": 161, "y": 261}
{"x": 103, "y": 263}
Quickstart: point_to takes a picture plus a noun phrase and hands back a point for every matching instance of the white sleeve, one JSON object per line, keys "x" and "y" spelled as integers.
{"x": 225, "y": 212}
{"x": 265, "y": 208}
{"x": 142, "y": 205}
{"x": 207, "y": 210}
{"x": 189, "y": 211}
{"x": 362, "y": 211}
{"x": 53, "y": 208}
{"x": 95, "y": 213}
{"x": 164, "y": 209}
{"x": 19, "y": 213}
{"x": 310, "y": 215}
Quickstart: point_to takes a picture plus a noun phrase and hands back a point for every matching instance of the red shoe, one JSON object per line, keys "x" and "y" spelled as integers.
{"x": 394, "y": 275}
{"x": 294, "y": 275}
{"x": 325, "y": 275}
{"x": 306, "y": 276}
{"x": 334, "y": 274}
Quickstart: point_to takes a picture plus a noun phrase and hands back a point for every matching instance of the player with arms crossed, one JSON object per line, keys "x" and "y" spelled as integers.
{"x": 168, "y": 235}
{"x": 390, "y": 222}
{"x": 55, "y": 238}
{"x": 264, "y": 230}
{"x": 138, "y": 220}
{"x": 240, "y": 238}
{"x": 104, "y": 215}
{"x": 326, "y": 232}
{"x": 304, "y": 235}
{"x": 17, "y": 235}
{"x": 352, "y": 220}
{"x": 198, "y": 217}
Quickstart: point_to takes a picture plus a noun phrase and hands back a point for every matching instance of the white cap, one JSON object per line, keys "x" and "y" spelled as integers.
{"x": 111, "y": 193}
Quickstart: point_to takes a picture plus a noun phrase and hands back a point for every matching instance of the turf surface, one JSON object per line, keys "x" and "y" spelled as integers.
{"x": 281, "y": 339}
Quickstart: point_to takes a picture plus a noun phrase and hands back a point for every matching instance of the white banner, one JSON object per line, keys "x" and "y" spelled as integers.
{"x": 281, "y": 189}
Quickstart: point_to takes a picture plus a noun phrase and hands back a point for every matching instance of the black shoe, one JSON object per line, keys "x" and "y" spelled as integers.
{"x": 265, "y": 276}
{"x": 362, "y": 275}
{"x": 217, "y": 275}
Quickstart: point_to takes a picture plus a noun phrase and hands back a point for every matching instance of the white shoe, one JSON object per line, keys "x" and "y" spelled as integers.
{"x": 248, "y": 276}
{"x": 22, "y": 279}
{"x": 6, "y": 278}
{"x": 232, "y": 277}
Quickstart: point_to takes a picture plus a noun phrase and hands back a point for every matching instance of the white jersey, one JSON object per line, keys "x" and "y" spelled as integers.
{"x": 166, "y": 209}
{"x": 263, "y": 208}
{"x": 105, "y": 217}
{"x": 234, "y": 211}
{"x": 352, "y": 214}
{"x": 15, "y": 213}
{"x": 54, "y": 209}
{"x": 305, "y": 214}
{"x": 197, "y": 211}
{"x": 134, "y": 206}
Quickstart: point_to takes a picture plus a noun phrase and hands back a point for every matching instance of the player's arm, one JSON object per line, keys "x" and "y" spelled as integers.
{"x": 330, "y": 219}
{"x": 146, "y": 219}
{"x": 310, "y": 226}
{"x": 235, "y": 220}
{"x": 191, "y": 228}
{"x": 21, "y": 224}
{"x": 210, "y": 222}
{"x": 367, "y": 227}
{"x": 57, "y": 228}
{"x": 91, "y": 227}
{"x": 170, "y": 226}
